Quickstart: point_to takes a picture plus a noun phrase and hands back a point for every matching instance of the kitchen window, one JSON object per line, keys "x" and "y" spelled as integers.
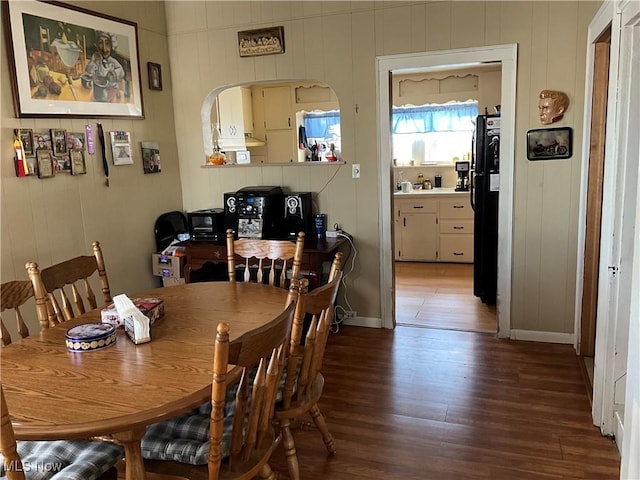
{"x": 322, "y": 128}
{"x": 433, "y": 134}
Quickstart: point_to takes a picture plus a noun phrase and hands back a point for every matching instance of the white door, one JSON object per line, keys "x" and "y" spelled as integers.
{"x": 630, "y": 150}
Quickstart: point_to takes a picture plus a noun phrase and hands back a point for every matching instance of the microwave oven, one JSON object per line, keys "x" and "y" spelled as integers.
{"x": 207, "y": 225}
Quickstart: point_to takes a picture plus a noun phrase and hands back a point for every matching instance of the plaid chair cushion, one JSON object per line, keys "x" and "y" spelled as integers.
{"x": 185, "y": 438}
{"x": 66, "y": 460}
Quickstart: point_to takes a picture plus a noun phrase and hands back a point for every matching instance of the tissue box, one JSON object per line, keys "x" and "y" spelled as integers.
{"x": 167, "y": 265}
{"x": 153, "y": 308}
{"x": 131, "y": 333}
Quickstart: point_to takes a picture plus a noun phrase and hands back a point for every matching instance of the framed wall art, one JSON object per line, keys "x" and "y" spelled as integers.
{"x": 45, "y": 163}
{"x": 264, "y": 41}
{"x": 59, "y": 142}
{"x": 549, "y": 143}
{"x": 26, "y": 137}
{"x": 155, "y": 76}
{"x": 67, "y": 61}
{"x": 78, "y": 166}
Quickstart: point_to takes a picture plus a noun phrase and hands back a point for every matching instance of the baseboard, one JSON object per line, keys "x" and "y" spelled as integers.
{"x": 546, "y": 337}
{"x": 618, "y": 429}
{"x": 370, "y": 322}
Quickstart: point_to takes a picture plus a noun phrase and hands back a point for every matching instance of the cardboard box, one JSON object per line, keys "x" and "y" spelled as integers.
{"x": 153, "y": 308}
{"x": 167, "y": 265}
{"x": 170, "y": 281}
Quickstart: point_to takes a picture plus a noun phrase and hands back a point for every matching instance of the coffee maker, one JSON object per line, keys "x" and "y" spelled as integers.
{"x": 462, "y": 169}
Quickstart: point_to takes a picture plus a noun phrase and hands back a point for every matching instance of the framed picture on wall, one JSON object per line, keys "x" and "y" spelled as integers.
{"x": 59, "y": 142}
{"x": 78, "y": 166}
{"x": 45, "y": 163}
{"x": 263, "y": 41}
{"x": 155, "y": 76}
{"x": 549, "y": 143}
{"x": 26, "y": 137}
{"x": 67, "y": 61}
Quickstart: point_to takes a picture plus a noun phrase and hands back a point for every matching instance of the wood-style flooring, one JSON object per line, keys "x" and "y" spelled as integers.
{"x": 445, "y": 404}
{"x": 440, "y": 295}
{"x": 421, "y": 403}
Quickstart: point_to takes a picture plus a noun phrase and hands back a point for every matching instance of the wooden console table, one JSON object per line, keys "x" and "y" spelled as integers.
{"x": 316, "y": 251}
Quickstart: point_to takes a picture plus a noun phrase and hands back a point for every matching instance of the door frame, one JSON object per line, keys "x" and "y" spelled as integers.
{"x": 608, "y": 282}
{"x": 629, "y": 145}
{"x": 437, "y": 60}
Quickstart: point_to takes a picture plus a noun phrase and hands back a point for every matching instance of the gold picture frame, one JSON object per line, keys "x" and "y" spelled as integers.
{"x": 78, "y": 165}
{"x": 45, "y": 163}
{"x": 52, "y": 61}
{"x": 263, "y": 41}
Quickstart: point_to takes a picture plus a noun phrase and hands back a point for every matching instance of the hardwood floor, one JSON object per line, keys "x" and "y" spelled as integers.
{"x": 440, "y": 295}
{"x": 445, "y": 404}
{"x": 422, "y": 403}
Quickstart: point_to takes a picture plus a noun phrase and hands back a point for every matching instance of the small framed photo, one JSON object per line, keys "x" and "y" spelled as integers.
{"x": 549, "y": 143}
{"x": 62, "y": 163}
{"x": 155, "y": 76}
{"x": 59, "y": 141}
{"x": 75, "y": 141}
{"x": 26, "y": 137}
{"x": 41, "y": 141}
{"x": 45, "y": 163}
{"x": 32, "y": 165}
{"x": 78, "y": 166}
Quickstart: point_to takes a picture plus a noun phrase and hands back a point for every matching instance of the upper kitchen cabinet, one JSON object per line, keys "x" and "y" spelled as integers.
{"x": 278, "y": 122}
{"x": 229, "y": 117}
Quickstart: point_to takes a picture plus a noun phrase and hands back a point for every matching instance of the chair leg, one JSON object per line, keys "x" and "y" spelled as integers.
{"x": 290, "y": 449}
{"x": 266, "y": 473}
{"x": 318, "y": 419}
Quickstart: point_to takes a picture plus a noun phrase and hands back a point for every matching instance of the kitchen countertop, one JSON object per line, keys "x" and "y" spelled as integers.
{"x": 433, "y": 191}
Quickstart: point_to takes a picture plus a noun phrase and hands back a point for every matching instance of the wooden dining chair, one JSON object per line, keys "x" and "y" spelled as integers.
{"x": 60, "y": 459}
{"x": 14, "y": 294}
{"x": 303, "y": 383}
{"x": 49, "y": 284}
{"x": 233, "y": 436}
{"x": 269, "y": 259}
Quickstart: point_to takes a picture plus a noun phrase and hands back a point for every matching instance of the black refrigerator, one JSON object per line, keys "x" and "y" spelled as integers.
{"x": 485, "y": 179}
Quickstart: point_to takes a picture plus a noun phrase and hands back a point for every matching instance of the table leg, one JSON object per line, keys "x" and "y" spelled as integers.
{"x": 130, "y": 440}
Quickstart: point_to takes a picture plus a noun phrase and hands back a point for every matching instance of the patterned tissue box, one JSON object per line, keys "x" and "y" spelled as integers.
{"x": 153, "y": 308}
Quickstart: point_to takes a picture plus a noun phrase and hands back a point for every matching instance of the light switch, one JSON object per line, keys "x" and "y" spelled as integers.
{"x": 355, "y": 170}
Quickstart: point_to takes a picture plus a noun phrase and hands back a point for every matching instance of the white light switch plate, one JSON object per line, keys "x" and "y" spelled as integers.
{"x": 355, "y": 170}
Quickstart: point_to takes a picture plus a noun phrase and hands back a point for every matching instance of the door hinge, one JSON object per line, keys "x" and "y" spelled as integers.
{"x": 613, "y": 269}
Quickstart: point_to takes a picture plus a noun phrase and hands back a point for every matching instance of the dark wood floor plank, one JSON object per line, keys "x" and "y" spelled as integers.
{"x": 422, "y": 403}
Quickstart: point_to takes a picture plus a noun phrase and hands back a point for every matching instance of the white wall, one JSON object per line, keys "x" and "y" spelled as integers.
{"x": 337, "y": 43}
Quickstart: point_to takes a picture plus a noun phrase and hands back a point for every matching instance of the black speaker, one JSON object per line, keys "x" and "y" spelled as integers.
{"x": 231, "y": 213}
{"x": 298, "y": 214}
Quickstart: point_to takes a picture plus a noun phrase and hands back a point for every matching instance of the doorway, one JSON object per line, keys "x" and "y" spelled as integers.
{"x": 434, "y": 120}
{"x": 386, "y": 67}
{"x": 601, "y": 60}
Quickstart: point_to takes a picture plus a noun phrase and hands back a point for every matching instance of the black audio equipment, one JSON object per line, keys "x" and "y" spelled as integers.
{"x": 298, "y": 214}
{"x": 260, "y": 212}
{"x": 231, "y": 212}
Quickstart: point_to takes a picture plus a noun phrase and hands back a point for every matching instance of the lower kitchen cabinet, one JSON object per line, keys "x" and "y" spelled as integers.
{"x": 434, "y": 228}
{"x": 416, "y": 229}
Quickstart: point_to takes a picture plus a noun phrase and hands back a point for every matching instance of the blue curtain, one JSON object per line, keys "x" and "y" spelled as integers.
{"x": 435, "y": 118}
{"x": 317, "y": 124}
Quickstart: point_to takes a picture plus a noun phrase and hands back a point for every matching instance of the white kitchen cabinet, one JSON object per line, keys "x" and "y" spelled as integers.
{"x": 231, "y": 119}
{"x": 280, "y": 131}
{"x": 418, "y": 229}
{"x": 433, "y": 227}
{"x": 281, "y": 148}
{"x": 455, "y": 229}
{"x": 278, "y": 110}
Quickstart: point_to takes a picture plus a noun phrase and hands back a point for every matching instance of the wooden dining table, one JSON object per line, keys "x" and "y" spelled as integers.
{"x": 53, "y": 393}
